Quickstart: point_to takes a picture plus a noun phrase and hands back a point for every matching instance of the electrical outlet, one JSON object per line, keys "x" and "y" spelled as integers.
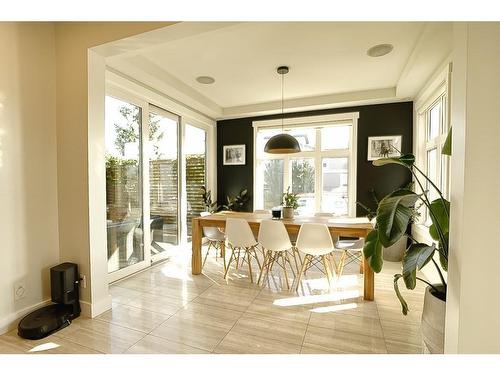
{"x": 83, "y": 281}
{"x": 19, "y": 290}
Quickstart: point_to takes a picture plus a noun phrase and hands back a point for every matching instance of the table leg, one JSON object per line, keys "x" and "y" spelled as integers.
{"x": 196, "y": 237}
{"x": 369, "y": 282}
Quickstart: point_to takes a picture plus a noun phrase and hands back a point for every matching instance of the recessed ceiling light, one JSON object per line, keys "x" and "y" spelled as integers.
{"x": 380, "y": 50}
{"x": 206, "y": 80}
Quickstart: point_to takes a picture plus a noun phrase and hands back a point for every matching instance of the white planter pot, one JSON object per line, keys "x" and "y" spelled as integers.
{"x": 395, "y": 252}
{"x": 287, "y": 212}
{"x": 433, "y": 316}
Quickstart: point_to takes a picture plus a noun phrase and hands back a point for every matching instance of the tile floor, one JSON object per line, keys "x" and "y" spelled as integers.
{"x": 165, "y": 309}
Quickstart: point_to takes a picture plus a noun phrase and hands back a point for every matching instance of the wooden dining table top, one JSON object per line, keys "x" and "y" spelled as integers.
{"x": 358, "y": 226}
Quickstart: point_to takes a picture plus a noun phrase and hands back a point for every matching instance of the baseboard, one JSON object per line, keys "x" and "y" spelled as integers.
{"x": 86, "y": 309}
{"x": 11, "y": 321}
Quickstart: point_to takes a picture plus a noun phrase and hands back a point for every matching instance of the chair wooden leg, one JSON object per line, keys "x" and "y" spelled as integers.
{"x": 223, "y": 253}
{"x": 238, "y": 259}
{"x": 229, "y": 264}
{"x": 270, "y": 260}
{"x": 295, "y": 261}
{"x": 341, "y": 264}
{"x": 327, "y": 270}
{"x": 301, "y": 272}
{"x": 284, "y": 270}
{"x": 290, "y": 263}
{"x": 247, "y": 251}
{"x": 206, "y": 255}
{"x": 264, "y": 266}
{"x": 256, "y": 257}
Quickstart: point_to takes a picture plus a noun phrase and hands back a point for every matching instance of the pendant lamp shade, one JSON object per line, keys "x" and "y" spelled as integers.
{"x": 282, "y": 143}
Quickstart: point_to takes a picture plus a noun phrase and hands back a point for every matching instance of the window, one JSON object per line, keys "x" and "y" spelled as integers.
{"x": 432, "y": 129}
{"x": 322, "y": 174}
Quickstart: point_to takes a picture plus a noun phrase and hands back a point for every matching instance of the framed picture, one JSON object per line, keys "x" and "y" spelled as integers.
{"x": 386, "y": 146}
{"x": 234, "y": 155}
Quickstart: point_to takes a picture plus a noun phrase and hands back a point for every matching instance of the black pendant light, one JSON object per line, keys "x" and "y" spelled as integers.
{"x": 282, "y": 143}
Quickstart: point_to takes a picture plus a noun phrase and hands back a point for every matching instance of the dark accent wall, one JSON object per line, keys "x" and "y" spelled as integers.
{"x": 374, "y": 120}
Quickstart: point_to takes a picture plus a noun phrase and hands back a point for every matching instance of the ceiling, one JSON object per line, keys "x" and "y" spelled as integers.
{"x": 328, "y": 63}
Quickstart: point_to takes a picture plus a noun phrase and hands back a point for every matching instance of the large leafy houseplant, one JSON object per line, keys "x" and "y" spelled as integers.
{"x": 238, "y": 202}
{"x": 395, "y": 212}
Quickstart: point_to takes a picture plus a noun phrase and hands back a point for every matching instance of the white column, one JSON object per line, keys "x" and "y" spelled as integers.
{"x": 473, "y": 302}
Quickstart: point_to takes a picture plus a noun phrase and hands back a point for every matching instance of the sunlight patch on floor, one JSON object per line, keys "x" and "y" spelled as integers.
{"x": 333, "y": 308}
{"x": 43, "y": 347}
{"x": 307, "y": 300}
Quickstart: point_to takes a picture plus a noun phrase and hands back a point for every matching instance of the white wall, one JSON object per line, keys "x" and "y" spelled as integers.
{"x": 28, "y": 166}
{"x": 472, "y": 318}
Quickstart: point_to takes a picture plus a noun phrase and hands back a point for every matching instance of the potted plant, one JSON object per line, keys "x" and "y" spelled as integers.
{"x": 210, "y": 206}
{"x": 290, "y": 203}
{"x": 395, "y": 252}
{"x": 238, "y": 202}
{"x": 394, "y": 213}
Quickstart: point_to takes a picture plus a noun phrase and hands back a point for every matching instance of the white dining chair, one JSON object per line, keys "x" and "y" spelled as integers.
{"x": 216, "y": 239}
{"x": 275, "y": 242}
{"x": 351, "y": 251}
{"x": 240, "y": 239}
{"x": 315, "y": 242}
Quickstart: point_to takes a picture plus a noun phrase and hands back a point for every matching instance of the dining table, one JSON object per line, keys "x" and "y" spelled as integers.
{"x": 338, "y": 226}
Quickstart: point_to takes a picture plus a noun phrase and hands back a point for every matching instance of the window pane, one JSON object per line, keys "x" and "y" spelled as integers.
{"x": 195, "y": 149}
{"x": 123, "y": 184}
{"x": 306, "y": 138}
{"x": 434, "y": 121}
{"x": 269, "y": 183}
{"x": 432, "y": 174}
{"x": 335, "y": 138}
{"x": 334, "y": 186}
{"x": 163, "y": 182}
{"x": 444, "y": 175}
{"x": 303, "y": 184}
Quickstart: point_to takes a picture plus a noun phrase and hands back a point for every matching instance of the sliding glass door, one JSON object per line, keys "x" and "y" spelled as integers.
{"x": 163, "y": 153}
{"x": 156, "y": 165}
{"x": 124, "y": 203}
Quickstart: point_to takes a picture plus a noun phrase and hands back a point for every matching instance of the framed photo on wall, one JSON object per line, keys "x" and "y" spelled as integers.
{"x": 386, "y": 146}
{"x": 233, "y": 155}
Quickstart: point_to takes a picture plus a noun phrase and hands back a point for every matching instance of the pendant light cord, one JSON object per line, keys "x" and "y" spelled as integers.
{"x": 282, "y": 114}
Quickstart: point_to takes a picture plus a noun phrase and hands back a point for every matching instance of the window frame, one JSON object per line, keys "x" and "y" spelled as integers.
{"x": 318, "y": 122}
{"x": 437, "y": 91}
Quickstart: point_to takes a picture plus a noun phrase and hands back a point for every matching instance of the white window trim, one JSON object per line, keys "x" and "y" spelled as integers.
{"x": 434, "y": 90}
{"x": 336, "y": 119}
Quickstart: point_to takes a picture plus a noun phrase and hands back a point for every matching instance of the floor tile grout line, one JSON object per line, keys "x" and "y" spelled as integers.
{"x": 305, "y": 333}
{"x": 237, "y": 320}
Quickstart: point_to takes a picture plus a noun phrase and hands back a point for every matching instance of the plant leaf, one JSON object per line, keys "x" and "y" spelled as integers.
{"x": 404, "y": 305}
{"x": 394, "y": 214}
{"x": 406, "y": 160}
{"x": 417, "y": 256}
{"x": 373, "y": 251}
{"x": 446, "y": 150}
{"x": 440, "y": 209}
{"x": 410, "y": 279}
